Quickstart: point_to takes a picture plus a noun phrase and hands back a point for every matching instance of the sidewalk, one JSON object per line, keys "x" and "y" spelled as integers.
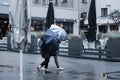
{"x": 74, "y": 68}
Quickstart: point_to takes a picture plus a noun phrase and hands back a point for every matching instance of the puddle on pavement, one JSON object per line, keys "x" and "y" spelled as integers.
{"x": 1, "y": 71}
{"x": 81, "y": 73}
{"x": 31, "y": 63}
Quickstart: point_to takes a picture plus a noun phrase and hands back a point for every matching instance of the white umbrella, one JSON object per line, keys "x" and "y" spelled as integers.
{"x": 59, "y": 31}
{"x": 49, "y": 35}
{"x": 20, "y": 20}
{"x": 54, "y": 32}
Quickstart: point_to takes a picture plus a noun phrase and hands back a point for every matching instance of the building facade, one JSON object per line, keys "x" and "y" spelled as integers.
{"x": 71, "y": 14}
{"x": 65, "y": 14}
{"x": 103, "y": 9}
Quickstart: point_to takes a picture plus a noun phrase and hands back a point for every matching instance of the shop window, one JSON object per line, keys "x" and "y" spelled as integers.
{"x": 37, "y": 25}
{"x": 56, "y": 2}
{"x": 103, "y": 29}
{"x": 82, "y": 19}
{"x": 114, "y": 28}
{"x": 84, "y": 1}
{"x": 44, "y": 2}
{"x": 64, "y": 1}
{"x": 67, "y": 26}
{"x": 36, "y": 2}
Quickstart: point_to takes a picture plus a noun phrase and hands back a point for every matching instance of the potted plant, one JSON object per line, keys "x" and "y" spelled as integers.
{"x": 113, "y": 44}
{"x": 75, "y": 45}
{"x": 35, "y": 36}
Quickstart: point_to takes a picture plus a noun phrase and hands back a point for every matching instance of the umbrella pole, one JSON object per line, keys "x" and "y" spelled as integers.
{"x": 21, "y": 64}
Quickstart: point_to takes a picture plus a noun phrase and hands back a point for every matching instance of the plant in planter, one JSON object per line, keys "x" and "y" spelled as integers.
{"x": 113, "y": 44}
{"x": 73, "y": 36}
{"x": 34, "y": 41}
{"x": 75, "y": 45}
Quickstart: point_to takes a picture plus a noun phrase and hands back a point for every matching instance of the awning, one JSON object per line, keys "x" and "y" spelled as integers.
{"x": 57, "y": 19}
{"x": 102, "y": 21}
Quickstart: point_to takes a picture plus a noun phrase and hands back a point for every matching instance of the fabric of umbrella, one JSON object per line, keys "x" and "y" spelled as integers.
{"x": 92, "y": 22}
{"x": 49, "y": 35}
{"x": 54, "y": 32}
{"x": 59, "y": 31}
{"x": 20, "y": 20}
{"x": 50, "y": 15}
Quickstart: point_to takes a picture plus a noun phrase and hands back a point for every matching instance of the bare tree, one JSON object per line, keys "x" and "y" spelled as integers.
{"x": 115, "y": 16}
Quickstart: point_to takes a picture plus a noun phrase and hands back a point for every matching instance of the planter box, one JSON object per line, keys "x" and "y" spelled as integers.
{"x": 33, "y": 46}
{"x": 75, "y": 47}
{"x": 113, "y": 48}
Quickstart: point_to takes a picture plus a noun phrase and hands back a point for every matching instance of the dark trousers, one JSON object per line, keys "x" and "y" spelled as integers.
{"x": 45, "y": 63}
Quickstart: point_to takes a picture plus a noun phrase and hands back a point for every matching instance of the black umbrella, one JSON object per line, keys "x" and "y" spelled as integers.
{"x": 50, "y": 15}
{"x": 92, "y": 22}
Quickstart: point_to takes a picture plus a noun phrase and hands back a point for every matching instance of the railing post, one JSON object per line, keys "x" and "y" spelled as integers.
{"x": 100, "y": 52}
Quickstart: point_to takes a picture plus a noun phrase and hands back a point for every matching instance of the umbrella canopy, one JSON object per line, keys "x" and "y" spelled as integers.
{"x": 54, "y": 32}
{"x": 20, "y": 20}
{"x": 92, "y": 22}
{"x": 49, "y": 35}
{"x": 59, "y": 31}
{"x": 50, "y": 15}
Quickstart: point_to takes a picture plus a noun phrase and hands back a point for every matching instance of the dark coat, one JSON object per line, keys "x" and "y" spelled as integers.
{"x": 48, "y": 50}
{"x": 53, "y": 47}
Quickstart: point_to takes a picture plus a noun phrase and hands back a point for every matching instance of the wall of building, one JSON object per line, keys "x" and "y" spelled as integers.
{"x": 60, "y": 13}
{"x": 114, "y": 4}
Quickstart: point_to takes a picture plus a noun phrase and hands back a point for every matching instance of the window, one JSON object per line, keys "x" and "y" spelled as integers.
{"x": 67, "y": 26}
{"x": 104, "y": 12}
{"x": 36, "y": 2}
{"x": 84, "y": 1}
{"x": 56, "y": 2}
{"x": 82, "y": 19}
{"x": 64, "y": 1}
{"x": 84, "y": 14}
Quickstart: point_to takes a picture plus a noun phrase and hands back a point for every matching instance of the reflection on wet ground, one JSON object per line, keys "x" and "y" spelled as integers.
{"x": 112, "y": 75}
{"x": 74, "y": 69}
{"x": 6, "y": 66}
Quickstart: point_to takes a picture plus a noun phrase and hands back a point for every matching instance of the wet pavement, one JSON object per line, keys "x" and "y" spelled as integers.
{"x": 74, "y": 68}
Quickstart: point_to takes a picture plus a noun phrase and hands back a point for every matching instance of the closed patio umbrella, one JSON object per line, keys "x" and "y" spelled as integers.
{"x": 92, "y": 22}
{"x": 50, "y": 15}
{"x": 54, "y": 32}
{"x": 20, "y": 20}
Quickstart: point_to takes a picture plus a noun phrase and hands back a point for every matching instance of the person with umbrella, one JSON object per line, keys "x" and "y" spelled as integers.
{"x": 50, "y": 39}
{"x": 50, "y": 45}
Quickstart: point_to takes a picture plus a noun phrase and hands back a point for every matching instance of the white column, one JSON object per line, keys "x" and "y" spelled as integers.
{"x": 119, "y": 28}
{"x": 21, "y": 64}
{"x": 97, "y": 33}
{"x": 97, "y": 29}
{"x": 76, "y": 27}
{"x": 108, "y": 26}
